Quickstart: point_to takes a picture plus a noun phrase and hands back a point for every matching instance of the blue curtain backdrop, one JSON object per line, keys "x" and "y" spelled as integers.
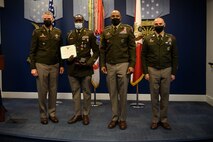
{"x": 187, "y": 21}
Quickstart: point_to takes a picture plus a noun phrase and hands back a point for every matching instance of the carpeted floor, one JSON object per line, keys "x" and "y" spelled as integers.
{"x": 190, "y": 121}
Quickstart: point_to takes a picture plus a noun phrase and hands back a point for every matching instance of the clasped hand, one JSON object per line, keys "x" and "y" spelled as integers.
{"x": 71, "y": 58}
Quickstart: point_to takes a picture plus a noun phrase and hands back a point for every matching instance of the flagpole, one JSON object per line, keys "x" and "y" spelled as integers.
{"x": 51, "y": 8}
{"x": 95, "y": 102}
{"x": 98, "y": 19}
{"x": 137, "y": 104}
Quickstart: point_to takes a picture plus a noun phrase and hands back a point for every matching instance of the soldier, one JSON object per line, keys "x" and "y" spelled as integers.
{"x": 117, "y": 60}
{"x": 160, "y": 62}
{"x": 45, "y": 64}
{"x": 80, "y": 68}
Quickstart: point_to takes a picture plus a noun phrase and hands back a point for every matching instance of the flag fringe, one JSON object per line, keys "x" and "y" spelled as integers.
{"x": 137, "y": 81}
{"x": 94, "y": 84}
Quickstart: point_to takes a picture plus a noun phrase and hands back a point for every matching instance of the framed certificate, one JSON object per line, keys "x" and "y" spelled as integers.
{"x": 67, "y": 51}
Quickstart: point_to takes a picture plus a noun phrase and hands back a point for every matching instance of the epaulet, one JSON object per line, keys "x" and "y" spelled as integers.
{"x": 56, "y": 28}
{"x": 85, "y": 29}
{"x": 126, "y": 25}
{"x": 107, "y": 27}
{"x": 89, "y": 31}
{"x": 70, "y": 32}
{"x": 169, "y": 35}
{"x": 38, "y": 29}
{"x": 41, "y": 28}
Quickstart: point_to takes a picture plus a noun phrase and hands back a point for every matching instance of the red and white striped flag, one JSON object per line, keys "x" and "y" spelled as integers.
{"x": 137, "y": 75}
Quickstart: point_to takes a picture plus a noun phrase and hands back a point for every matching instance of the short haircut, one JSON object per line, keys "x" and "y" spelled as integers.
{"x": 48, "y": 13}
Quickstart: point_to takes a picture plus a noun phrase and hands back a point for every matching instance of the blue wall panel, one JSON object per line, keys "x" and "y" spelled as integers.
{"x": 187, "y": 21}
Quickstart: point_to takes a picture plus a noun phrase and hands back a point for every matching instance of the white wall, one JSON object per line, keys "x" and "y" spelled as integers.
{"x": 105, "y": 96}
{"x": 209, "y": 52}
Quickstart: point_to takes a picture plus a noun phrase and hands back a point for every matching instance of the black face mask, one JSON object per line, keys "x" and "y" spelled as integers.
{"x": 47, "y": 23}
{"x": 159, "y": 29}
{"x": 115, "y": 21}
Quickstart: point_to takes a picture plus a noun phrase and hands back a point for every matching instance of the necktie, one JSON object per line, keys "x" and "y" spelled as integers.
{"x": 115, "y": 29}
{"x": 160, "y": 38}
{"x": 48, "y": 31}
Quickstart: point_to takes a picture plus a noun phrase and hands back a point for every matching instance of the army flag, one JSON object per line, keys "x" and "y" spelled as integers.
{"x": 137, "y": 75}
{"x": 98, "y": 29}
{"x": 99, "y": 17}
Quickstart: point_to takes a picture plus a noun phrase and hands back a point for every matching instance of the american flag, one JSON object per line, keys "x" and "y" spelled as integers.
{"x": 52, "y": 9}
{"x": 98, "y": 28}
{"x": 81, "y": 7}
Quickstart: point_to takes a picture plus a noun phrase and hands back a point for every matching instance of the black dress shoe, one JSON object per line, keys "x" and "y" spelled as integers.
{"x": 112, "y": 124}
{"x": 74, "y": 119}
{"x": 85, "y": 119}
{"x": 44, "y": 121}
{"x": 122, "y": 125}
{"x": 154, "y": 125}
{"x": 54, "y": 119}
{"x": 166, "y": 125}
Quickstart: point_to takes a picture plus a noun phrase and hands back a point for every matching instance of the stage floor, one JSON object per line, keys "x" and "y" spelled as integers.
{"x": 190, "y": 121}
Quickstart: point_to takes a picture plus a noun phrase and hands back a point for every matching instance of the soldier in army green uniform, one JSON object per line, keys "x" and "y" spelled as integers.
{"x": 80, "y": 68}
{"x": 160, "y": 62}
{"x": 117, "y": 60}
{"x": 45, "y": 64}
